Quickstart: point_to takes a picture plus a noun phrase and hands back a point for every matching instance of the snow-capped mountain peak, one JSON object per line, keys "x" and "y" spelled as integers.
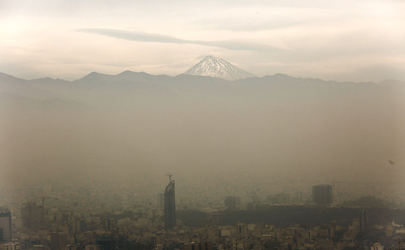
{"x": 217, "y": 67}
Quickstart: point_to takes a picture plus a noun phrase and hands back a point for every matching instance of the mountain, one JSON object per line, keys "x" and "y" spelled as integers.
{"x": 217, "y": 67}
{"x": 12, "y": 86}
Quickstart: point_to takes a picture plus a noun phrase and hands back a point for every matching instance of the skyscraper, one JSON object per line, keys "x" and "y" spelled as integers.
{"x": 322, "y": 194}
{"x": 170, "y": 206}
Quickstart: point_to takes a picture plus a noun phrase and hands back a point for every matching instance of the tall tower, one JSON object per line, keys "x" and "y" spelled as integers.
{"x": 170, "y": 206}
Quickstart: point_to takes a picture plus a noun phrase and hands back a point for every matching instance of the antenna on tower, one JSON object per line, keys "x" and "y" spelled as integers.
{"x": 170, "y": 177}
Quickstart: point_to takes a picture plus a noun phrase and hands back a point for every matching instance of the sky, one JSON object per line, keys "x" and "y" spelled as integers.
{"x": 333, "y": 40}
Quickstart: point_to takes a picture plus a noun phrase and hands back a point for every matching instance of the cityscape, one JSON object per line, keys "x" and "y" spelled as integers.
{"x": 73, "y": 220}
{"x": 202, "y": 125}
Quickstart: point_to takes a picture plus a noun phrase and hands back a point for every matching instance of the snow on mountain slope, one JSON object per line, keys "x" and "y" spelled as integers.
{"x": 217, "y": 67}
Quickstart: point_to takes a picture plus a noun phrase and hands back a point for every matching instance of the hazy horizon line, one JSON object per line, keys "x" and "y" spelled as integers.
{"x": 173, "y": 76}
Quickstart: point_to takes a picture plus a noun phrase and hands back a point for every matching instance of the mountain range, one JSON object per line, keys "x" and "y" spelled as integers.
{"x": 212, "y": 79}
{"x": 133, "y": 86}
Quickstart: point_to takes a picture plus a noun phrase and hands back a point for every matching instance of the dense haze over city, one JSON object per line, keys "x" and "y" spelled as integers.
{"x": 275, "y": 134}
{"x": 209, "y": 125}
{"x": 98, "y": 123}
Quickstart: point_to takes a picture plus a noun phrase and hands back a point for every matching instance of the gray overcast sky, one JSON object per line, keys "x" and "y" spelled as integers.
{"x": 333, "y": 40}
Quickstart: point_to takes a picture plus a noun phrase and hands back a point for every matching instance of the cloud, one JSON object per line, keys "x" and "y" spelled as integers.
{"x": 150, "y": 37}
{"x": 135, "y": 36}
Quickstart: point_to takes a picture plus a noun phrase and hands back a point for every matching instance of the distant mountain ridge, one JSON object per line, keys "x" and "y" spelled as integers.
{"x": 137, "y": 87}
{"x": 217, "y": 67}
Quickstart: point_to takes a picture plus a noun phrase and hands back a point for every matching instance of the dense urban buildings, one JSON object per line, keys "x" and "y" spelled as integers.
{"x": 32, "y": 214}
{"x": 81, "y": 220}
{"x": 322, "y": 194}
{"x": 170, "y": 206}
